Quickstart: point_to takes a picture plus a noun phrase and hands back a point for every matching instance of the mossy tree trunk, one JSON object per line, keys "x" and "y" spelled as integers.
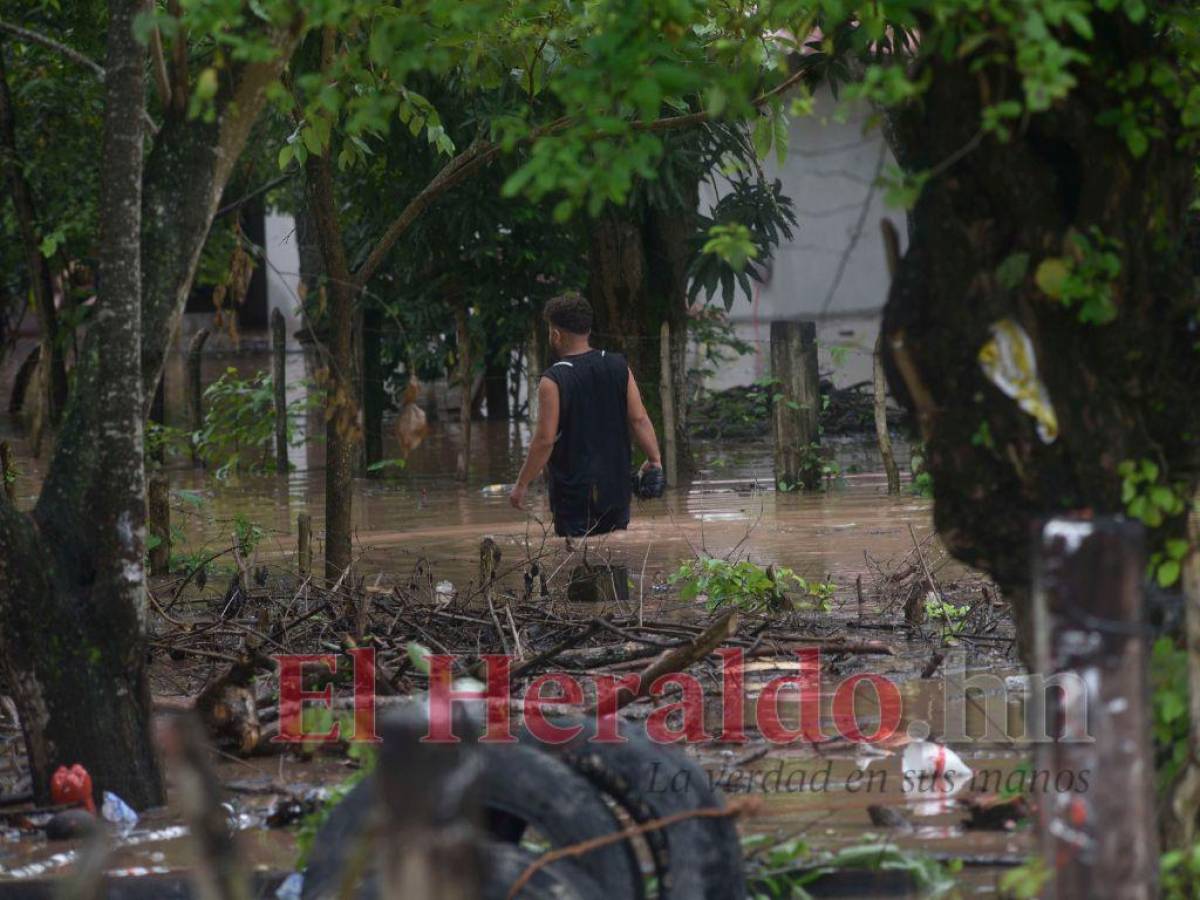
{"x": 1124, "y": 390}
{"x": 72, "y": 616}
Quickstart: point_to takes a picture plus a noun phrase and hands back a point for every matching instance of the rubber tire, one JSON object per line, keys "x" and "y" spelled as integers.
{"x": 522, "y": 784}
{"x": 525, "y": 783}
{"x": 562, "y": 879}
{"x": 709, "y": 848}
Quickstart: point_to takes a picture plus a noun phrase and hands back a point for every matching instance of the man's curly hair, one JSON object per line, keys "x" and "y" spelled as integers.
{"x": 570, "y": 312}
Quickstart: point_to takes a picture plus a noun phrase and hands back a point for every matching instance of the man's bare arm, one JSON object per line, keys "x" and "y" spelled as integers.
{"x": 641, "y": 426}
{"x": 542, "y": 445}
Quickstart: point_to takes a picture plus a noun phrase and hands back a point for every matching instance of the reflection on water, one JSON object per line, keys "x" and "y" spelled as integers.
{"x": 423, "y": 512}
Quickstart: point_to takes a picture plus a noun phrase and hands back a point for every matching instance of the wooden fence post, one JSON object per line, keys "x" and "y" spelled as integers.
{"x": 670, "y": 453}
{"x": 1091, "y": 722}
{"x": 279, "y": 377}
{"x": 304, "y": 544}
{"x": 159, "y": 514}
{"x": 797, "y": 402}
{"x": 195, "y": 388}
{"x": 431, "y": 798}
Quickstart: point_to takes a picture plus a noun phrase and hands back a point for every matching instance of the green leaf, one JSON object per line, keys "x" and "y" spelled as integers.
{"x": 1012, "y": 271}
{"x": 1168, "y": 573}
{"x": 1050, "y": 276}
{"x": 1176, "y": 548}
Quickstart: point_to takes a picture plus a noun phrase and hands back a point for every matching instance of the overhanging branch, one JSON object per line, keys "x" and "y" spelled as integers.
{"x": 35, "y": 37}
{"x": 480, "y": 153}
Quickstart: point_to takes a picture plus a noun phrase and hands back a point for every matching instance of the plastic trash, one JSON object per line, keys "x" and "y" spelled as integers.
{"x": 1009, "y": 362}
{"x": 292, "y": 887}
{"x": 444, "y": 591}
{"x": 934, "y": 773}
{"x": 494, "y": 490}
{"x": 72, "y": 787}
{"x": 117, "y": 812}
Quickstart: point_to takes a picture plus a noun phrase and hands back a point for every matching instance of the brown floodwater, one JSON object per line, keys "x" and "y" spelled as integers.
{"x": 422, "y": 513}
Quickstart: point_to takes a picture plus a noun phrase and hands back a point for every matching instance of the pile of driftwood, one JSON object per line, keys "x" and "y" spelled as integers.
{"x": 546, "y": 608}
{"x": 214, "y": 647}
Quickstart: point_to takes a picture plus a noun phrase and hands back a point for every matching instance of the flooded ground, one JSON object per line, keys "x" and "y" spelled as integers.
{"x": 849, "y": 533}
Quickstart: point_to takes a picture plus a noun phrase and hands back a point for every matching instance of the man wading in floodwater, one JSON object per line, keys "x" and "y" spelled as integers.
{"x": 588, "y": 404}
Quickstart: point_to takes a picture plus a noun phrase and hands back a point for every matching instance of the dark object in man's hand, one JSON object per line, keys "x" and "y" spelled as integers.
{"x": 650, "y": 483}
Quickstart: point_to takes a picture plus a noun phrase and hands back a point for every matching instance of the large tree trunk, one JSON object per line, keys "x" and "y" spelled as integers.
{"x": 54, "y": 392}
{"x": 72, "y": 630}
{"x": 638, "y": 280}
{"x": 343, "y": 422}
{"x": 71, "y": 622}
{"x": 343, "y": 431}
{"x": 1121, "y": 391}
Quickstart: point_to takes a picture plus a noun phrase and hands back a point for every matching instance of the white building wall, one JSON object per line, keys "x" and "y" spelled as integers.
{"x": 833, "y": 271}
{"x": 283, "y": 270}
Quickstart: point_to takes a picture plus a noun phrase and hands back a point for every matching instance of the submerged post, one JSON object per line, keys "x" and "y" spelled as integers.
{"x": 279, "y": 379}
{"x": 195, "y": 388}
{"x": 670, "y": 454}
{"x": 797, "y": 402}
{"x": 158, "y": 512}
{"x": 431, "y": 798}
{"x": 1097, "y": 818}
{"x": 304, "y": 544}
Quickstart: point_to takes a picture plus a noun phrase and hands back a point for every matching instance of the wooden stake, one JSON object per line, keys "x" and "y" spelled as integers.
{"x": 795, "y": 409}
{"x": 159, "y": 515}
{"x": 195, "y": 388}
{"x": 1099, "y": 839}
{"x": 670, "y": 453}
{"x": 891, "y": 248}
{"x": 304, "y": 544}
{"x": 279, "y": 378}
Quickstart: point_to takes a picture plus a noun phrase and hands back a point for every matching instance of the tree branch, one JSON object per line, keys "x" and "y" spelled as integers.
{"x": 481, "y": 153}
{"x": 162, "y": 81}
{"x": 262, "y": 189}
{"x": 34, "y": 37}
{"x": 454, "y": 172}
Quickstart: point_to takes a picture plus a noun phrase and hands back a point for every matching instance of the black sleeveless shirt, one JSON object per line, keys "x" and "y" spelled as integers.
{"x": 589, "y": 467}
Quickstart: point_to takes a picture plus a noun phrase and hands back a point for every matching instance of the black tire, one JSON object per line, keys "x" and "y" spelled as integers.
{"x": 523, "y": 788}
{"x": 695, "y": 858}
{"x": 562, "y": 879}
{"x": 526, "y": 784}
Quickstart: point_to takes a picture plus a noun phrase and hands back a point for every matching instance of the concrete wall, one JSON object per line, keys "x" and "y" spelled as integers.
{"x": 833, "y": 270}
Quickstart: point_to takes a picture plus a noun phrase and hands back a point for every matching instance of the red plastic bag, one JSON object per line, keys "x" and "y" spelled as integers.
{"x": 72, "y": 787}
